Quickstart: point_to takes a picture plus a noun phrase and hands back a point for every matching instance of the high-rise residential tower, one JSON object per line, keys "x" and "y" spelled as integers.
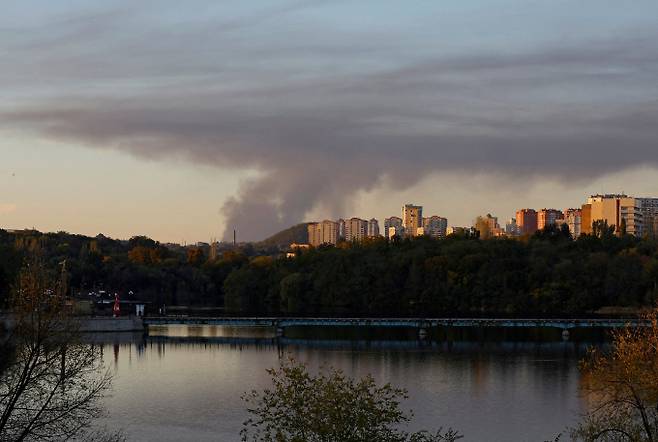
{"x": 435, "y": 226}
{"x": 617, "y": 210}
{"x": 586, "y": 219}
{"x": 392, "y": 226}
{"x": 356, "y": 229}
{"x": 373, "y": 228}
{"x": 526, "y": 221}
{"x": 412, "y": 219}
{"x": 573, "y": 218}
{"x": 325, "y": 232}
{"x": 548, "y": 217}
{"x": 511, "y": 228}
{"x": 341, "y": 229}
{"x": 649, "y": 208}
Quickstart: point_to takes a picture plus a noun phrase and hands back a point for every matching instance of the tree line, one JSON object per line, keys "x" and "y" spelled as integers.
{"x": 545, "y": 274}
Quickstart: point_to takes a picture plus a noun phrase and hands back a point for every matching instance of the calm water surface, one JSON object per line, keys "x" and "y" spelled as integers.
{"x": 184, "y": 383}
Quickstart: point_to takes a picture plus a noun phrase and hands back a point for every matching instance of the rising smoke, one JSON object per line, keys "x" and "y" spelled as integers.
{"x": 320, "y": 119}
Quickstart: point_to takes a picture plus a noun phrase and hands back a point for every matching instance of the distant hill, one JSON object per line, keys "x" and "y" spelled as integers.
{"x": 297, "y": 234}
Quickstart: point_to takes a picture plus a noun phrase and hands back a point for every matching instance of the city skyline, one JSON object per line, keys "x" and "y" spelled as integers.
{"x": 183, "y": 123}
{"x": 328, "y": 219}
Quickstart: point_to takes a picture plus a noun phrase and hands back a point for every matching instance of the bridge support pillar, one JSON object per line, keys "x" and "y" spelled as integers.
{"x": 565, "y": 335}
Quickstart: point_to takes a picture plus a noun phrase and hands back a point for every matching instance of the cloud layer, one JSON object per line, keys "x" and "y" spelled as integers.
{"x": 321, "y": 114}
{"x": 7, "y": 208}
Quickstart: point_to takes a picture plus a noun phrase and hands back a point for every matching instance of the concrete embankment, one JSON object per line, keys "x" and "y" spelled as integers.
{"x": 102, "y": 325}
{"x": 95, "y": 325}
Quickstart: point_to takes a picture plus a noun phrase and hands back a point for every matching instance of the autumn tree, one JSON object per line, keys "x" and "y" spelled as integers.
{"x": 622, "y": 386}
{"x": 52, "y": 384}
{"x": 195, "y": 256}
{"x": 329, "y": 407}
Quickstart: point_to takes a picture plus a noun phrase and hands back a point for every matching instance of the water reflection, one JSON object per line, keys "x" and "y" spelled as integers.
{"x": 185, "y": 383}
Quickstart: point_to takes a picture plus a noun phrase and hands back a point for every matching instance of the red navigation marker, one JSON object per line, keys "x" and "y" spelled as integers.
{"x": 117, "y": 308}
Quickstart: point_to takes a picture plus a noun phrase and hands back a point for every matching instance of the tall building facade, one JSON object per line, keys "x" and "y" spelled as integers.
{"x": 548, "y": 217}
{"x": 494, "y": 226}
{"x": 649, "y": 208}
{"x": 573, "y": 218}
{"x": 356, "y": 229}
{"x": 435, "y": 226}
{"x": 341, "y": 229}
{"x": 492, "y": 223}
{"x": 526, "y": 221}
{"x": 325, "y": 232}
{"x": 393, "y": 227}
{"x": 586, "y": 219}
{"x": 412, "y": 219}
{"x": 373, "y": 228}
{"x": 511, "y": 228}
{"x": 617, "y": 209}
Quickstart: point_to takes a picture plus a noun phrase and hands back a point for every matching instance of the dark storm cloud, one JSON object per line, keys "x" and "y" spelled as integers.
{"x": 318, "y": 130}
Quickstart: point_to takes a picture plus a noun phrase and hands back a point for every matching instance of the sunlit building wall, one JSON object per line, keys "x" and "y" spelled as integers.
{"x": 526, "y": 221}
{"x": 395, "y": 223}
{"x": 356, "y": 229}
{"x": 412, "y": 219}
{"x": 548, "y": 217}
{"x": 586, "y": 219}
{"x": 435, "y": 226}
{"x": 325, "y": 232}
{"x": 511, "y": 228}
{"x": 615, "y": 208}
{"x": 573, "y": 219}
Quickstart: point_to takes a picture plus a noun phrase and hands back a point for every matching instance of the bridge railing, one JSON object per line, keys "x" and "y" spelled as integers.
{"x": 396, "y": 322}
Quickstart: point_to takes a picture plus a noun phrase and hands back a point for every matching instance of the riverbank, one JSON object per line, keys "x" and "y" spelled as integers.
{"x": 96, "y": 324}
{"x": 110, "y": 325}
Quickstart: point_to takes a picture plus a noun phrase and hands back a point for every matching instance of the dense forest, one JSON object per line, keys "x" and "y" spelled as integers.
{"x": 546, "y": 274}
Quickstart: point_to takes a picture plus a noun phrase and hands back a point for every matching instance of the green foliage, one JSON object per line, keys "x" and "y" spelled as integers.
{"x": 293, "y": 291}
{"x": 621, "y": 387}
{"x": 546, "y": 274}
{"x": 329, "y": 407}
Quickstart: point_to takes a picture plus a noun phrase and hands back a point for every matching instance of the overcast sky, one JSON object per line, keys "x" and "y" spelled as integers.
{"x": 184, "y": 120}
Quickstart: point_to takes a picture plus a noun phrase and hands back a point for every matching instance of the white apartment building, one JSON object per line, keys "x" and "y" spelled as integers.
{"x": 394, "y": 223}
{"x": 356, "y": 229}
{"x": 435, "y": 226}
{"x": 325, "y": 232}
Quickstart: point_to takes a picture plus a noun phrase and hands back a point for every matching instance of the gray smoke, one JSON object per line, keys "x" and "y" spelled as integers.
{"x": 317, "y": 127}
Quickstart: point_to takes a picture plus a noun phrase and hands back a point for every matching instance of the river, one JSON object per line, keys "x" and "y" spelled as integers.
{"x": 184, "y": 383}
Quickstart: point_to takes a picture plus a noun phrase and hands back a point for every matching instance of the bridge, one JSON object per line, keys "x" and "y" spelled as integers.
{"x": 420, "y": 324}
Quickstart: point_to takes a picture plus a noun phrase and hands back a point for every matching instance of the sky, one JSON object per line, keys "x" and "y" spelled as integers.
{"x": 185, "y": 120}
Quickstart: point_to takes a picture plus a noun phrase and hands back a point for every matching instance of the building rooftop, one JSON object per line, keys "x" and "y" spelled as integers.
{"x": 610, "y": 195}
